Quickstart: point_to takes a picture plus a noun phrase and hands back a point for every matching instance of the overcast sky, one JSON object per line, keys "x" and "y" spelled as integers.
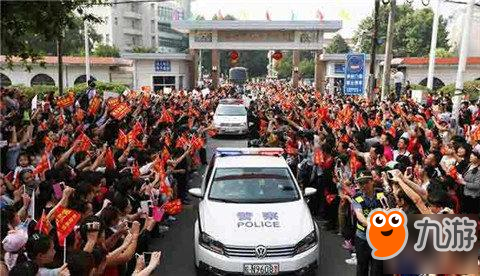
{"x": 351, "y": 12}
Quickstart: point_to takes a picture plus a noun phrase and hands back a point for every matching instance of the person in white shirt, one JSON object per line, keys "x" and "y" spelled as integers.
{"x": 398, "y": 79}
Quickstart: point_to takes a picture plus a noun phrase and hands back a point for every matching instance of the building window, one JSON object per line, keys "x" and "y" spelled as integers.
{"x": 133, "y": 23}
{"x": 153, "y": 41}
{"x": 134, "y": 7}
{"x": 42, "y": 79}
{"x": 107, "y": 39}
{"x": 160, "y": 82}
{"x": 4, "y": 80}
{"x": 83, "y": 79}
{"x": 152, "y": 26}
{"x": 116, "y": 21}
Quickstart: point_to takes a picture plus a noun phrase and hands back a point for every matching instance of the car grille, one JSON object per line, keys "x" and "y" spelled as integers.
{"x": 249, "y": 252}
{"x": 230, "y": 124}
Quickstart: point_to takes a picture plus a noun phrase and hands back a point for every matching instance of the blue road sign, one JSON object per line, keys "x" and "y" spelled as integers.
{"x": 355, "y": 75}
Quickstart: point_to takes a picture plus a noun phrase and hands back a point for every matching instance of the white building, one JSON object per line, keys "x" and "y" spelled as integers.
{"x": 416, "y": 70}
{"x": 104, "y": 69}
{"x": 159, "y": 71}
{"x": 129, "y": 24}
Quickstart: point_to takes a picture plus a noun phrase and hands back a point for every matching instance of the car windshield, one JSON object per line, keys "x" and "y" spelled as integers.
{"x": 231, "y": 110}
{"x": 253, "y": 185}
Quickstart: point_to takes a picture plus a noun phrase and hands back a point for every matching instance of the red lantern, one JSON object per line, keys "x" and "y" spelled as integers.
{"x": 277, "y": 55}
{"x": 233, "y": 55}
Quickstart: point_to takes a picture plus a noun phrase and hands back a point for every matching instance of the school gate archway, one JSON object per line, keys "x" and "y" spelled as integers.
{"x": 297, "y": 36}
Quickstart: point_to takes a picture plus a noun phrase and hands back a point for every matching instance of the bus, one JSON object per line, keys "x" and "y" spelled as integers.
{"x": 238, "y": 75}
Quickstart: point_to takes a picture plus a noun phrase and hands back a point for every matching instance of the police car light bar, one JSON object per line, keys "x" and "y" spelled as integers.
{"x": 249, "y": 151}
{"x": 231, "y": 101}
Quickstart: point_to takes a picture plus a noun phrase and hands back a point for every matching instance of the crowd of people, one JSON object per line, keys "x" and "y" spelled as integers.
{"x": 87, "y": 182}
{"x": 116, "y": 169}
{"x": 361, "y": 155}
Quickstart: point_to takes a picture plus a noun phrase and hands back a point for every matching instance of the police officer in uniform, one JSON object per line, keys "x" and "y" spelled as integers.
{"x": 366, "y": 200}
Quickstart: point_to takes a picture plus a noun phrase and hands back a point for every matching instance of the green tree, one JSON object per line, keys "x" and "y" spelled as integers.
{"x": 49, "y": 19}
{"x": 337, "y": 46}
{"x": 104, "y": 50}
{"x": 412, "y": 32}
{"x": 307, "y": 68}
{"x": 284, "y": 66}
{"x": 74, "y": 42}
{"x": 442, "y": 53}
{"x": 140, "y": 49}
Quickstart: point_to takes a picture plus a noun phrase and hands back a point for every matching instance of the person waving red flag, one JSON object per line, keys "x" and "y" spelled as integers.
{"x": 109, "y": 159}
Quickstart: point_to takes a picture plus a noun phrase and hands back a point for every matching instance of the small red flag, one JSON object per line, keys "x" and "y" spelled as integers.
{"x": 43, "y": 165}
{"x": 109, "y": 159}
{"x": 94, "y": 106}
{"x": 120, "y": 111}
{"x": 317, "y": 156}
{"x": 66, "y": 220}
{"x": 61, "y": 120}
{"x": 165, "y": 155}
{"x": 355, "y": 165}
{"x": 66, "y": 101}
{"x": 181, "y": 141}
{"x": 84, "y": 144}
{"x": 79, "y": 115}
{"x": 135, "y": 170}
{"x": 166, "y": 117}
{"x": 167, "y": 140}
{"x": 49, "y": 144}
{"x": 43, "y": 224}
{"x": 64, "y": 141}
{"x": 122, "y": 140}
{"x": 212, "y": 132}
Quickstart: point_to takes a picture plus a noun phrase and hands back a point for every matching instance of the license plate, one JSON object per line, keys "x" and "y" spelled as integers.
{"x": 260, "y": 269}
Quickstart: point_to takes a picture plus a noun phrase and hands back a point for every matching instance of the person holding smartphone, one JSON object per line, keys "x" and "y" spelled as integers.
{"x": 146, "y": 267}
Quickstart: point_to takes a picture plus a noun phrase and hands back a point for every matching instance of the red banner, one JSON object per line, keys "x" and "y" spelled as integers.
{"x": 94, "y": 106}
{"x": 112, "y": 103}
{"x": 120, "y": 111}
{"x": 67, "y": 101}
{"x": 66, "y": 220}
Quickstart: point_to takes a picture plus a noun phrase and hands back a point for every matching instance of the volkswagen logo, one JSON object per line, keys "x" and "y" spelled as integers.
{"x": 260, "y": 251}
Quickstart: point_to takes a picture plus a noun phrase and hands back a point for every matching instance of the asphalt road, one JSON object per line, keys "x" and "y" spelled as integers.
{"x": 177, "y": 244}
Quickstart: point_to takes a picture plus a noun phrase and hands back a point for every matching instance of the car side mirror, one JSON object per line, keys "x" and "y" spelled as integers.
{"x": 196, "y": 192}
{"x": 310, "y": 191}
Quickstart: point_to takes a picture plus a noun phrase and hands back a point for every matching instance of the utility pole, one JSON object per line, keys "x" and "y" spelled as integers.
{"x": 371, "y": 76}
{"x": 60, "y": 62}
{"x": 388, "y": 50}
{"x": 462, "y": 60}
{"x": 433, "y": 46}
{"x": 87, "y": 52}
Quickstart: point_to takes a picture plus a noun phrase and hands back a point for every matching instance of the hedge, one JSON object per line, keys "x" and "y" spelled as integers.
{"x": 470, "y": 88}
{"x": 42, "y": 90}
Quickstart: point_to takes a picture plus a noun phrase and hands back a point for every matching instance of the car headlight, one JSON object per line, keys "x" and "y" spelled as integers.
{"x": 306, "y": 243}
{"x": 244, "y": 124}
{"x": 211, "y": 244}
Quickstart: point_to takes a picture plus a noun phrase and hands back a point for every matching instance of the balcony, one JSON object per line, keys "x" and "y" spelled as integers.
{"x": 132, "y": 14}
{"x": 132, "y": 31}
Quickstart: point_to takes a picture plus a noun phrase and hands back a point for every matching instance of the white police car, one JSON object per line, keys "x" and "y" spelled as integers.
{"x": 252, "y": 217}
{"x": 231, "y": 117}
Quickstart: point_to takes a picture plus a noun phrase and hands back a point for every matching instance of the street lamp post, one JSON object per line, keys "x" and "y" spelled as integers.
{"x": 433, "y": 46}
{"x": 87, "y": 52}
{"x": 388, "y": 50}
{"x": 462, "y": 60}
